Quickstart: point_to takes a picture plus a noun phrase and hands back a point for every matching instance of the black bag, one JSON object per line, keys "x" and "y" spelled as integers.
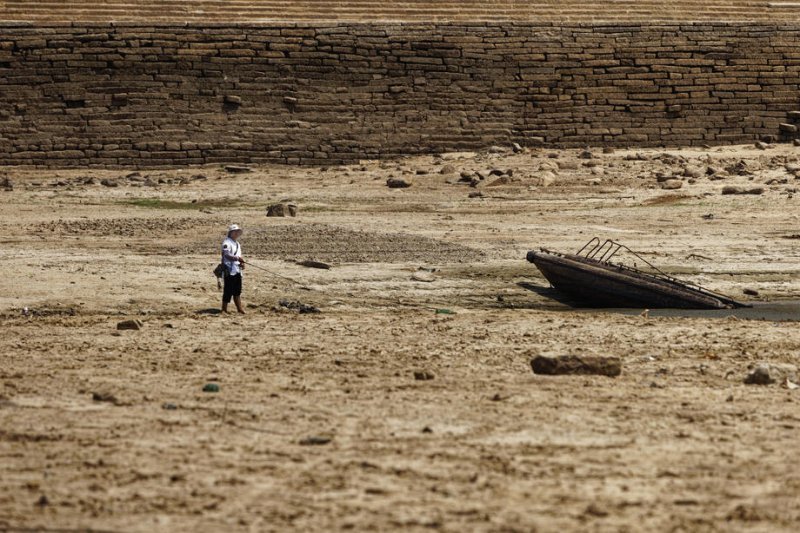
{"x": 219, "y": 271}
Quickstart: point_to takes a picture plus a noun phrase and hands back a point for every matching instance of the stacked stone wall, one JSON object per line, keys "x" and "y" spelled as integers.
{"x": 139, "y": 95}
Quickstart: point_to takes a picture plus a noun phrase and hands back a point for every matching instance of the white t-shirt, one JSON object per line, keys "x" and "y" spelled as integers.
{"x": 234, "y": 249}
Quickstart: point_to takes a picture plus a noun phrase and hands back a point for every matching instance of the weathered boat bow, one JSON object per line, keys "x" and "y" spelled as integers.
{"x": 590, "y": 277}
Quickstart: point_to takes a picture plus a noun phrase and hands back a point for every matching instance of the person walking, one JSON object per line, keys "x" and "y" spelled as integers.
{"x": 234, "y": 266}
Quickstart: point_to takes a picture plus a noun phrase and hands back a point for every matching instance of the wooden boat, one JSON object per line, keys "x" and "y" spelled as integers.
{"x": 590, "y": 278}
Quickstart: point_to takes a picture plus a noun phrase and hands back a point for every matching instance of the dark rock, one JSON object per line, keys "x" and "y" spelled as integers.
{"x": 134, "y": 325}
{"x": 585, "y": 154}
{"x": 104, "y": 397}
{"x": 422, "y": 172}
{"x": 761, "y": 145}
{"x": 577, "y": 365}
{"x": 733, "y": 189}
{"x": 502, "y": 180}
{"x": 787, "y": 128}
{"x": 298, "y": 306}
{"x": 108, "y": 183}
{"x": 237, "y": 169}
{"x": 475, "y": 194}
{"x": 210, "y": 387}
{"x": 516, "y": 148}
{"x": 315, "y": 440}
{"x": 314, "y": 264}
{"x": 671, "y": 184}
{"x": 595, "y": 510}
{"x": 448, "y": 169}
{"x": 397, "y": 183}
{"x": 770, "y": 373}
{"x": 282, "y": 210}
{"x": 423, "y": 375}
{"x": 750, "y": 292}
{"x": 233, "y": 100}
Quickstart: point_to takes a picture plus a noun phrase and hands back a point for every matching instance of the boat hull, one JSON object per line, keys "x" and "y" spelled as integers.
{"x": 598, "y": 284}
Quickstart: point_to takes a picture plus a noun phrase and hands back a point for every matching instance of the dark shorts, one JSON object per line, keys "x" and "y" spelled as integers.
{"x": 233, "y": 287}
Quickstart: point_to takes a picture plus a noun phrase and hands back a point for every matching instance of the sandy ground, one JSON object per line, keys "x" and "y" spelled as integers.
{"x": 319, "y": 422}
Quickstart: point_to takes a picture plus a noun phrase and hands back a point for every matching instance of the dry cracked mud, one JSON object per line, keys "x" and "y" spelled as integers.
{"x": 321, "y": 420}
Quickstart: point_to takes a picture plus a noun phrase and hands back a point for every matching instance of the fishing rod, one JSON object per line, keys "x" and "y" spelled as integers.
{"x": 276, "y": 275}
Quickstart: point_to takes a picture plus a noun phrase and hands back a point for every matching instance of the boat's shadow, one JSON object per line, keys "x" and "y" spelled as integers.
{"x": 550, "y": 294}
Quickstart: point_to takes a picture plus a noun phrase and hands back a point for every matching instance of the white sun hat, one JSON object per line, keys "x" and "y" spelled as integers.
{"x": 234, "y": 227}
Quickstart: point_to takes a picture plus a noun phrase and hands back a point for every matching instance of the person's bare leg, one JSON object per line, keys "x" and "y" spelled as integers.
{"x": 238, "y": 301}
{"x": 224, "y": 307}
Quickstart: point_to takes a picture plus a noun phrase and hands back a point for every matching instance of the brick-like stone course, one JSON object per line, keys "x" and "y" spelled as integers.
{"x": 161, "y": 95}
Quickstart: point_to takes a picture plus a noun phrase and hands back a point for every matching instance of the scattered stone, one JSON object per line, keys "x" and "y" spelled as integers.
{"x": 595, "y": 510}
{"x": 787, "y": 128}
{"x": 475, "y": 194}
{"x": 315, "y": 440}
{"x": 237, "y": 169}
{"x": 299, "y": 307}
{"x": 750, "y": 292}
{"x": 693, "y": 172}
{"x": 577, "y": 365}
{"x": 566, "y": 164}
{"x": 210, "y": 387}
{"x": 502, "y": 180}
{"x": 796, "y": 142}
{"x": 422, "y": 172}
{"x": 761, "y": 145}
{"x": 734, "y": 189}
{"x": 794, "y": 115}
{"x": 770, "y": 373}
{"x": 7, "y": 184}
{"x": 397, "y": 183}
{"x": 423, "y": 276}
{"x": 608, "y": 150}
{"x": 314, "y": 264}
{"x": 43, "y": 501}
{"x": 545, "y": 179}
{"x": 133, "y": 324}
{"x": 466, "y": 176}
{"x": 108, "y": 183}
{"x": 585, "y": 154}
{"x": 447, "y": 170}
{"x": 671, "y": 184}
{"x": 232, "y": 100}
{"x": 169, "y": 406}
{"x": 105, "y": 397}
{"x": 516, "y": 148}
{"x": 483, "y": 174}
{"x": 496, "y": 150}
{"x": 282, "y": 209}
{"x": 746, "y": 513}
{"x": 423, "y": 375}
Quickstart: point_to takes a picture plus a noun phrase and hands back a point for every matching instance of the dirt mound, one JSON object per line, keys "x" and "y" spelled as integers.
{"x": 336, "y": 244}
{"x": 123, "y": 227}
